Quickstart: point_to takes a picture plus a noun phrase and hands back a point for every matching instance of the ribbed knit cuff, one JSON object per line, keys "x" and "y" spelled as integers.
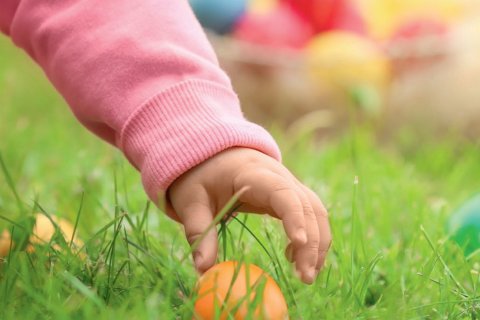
{"x": 184, "y": 126}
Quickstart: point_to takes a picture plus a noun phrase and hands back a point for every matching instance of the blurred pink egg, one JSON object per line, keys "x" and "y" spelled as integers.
{"x": 279, "y": 28}
{"x": 328, "y": 15}
{"x": 418, "y": 43}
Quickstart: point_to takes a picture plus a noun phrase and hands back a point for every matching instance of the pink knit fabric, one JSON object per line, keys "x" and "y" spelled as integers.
{"x": 139, "y": 74}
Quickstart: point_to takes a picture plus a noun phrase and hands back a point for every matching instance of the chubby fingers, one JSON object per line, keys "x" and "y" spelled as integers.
{"x": 306, "y": 256}
{"x": 323, "y": 227}
{"x": 196, "y": 217}
{"x": 324, "y": 232}
{"x": 279, "y": 198}
{"x": 284, "y": 199}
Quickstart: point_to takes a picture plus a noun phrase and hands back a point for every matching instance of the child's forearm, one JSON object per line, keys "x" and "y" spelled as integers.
{"x": 141, "y": 75}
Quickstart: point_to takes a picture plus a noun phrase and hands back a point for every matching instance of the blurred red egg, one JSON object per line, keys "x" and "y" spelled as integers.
{"x": 327, "y": 15}
{"x": 279, "y": 28}
{"x": 235, "y": 287}
{"x": 418, "y": 43}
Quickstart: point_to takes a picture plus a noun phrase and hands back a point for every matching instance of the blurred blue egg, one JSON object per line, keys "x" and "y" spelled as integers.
{"x": 218, "y": 15}
{"x": 464, "y": 225}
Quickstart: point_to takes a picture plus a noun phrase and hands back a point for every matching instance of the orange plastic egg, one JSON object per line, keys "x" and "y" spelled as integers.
{"x": 230, "y": 288}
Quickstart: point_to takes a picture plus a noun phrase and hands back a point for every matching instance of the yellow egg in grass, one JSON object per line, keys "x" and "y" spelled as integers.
{"x": 5, "y": 243}
{"x": 44, "y": 230}
{"x": 42, "y": 233}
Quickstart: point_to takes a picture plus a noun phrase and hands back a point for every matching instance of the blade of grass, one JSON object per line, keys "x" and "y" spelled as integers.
{"x": 225, "y": 210}
{"x": 282, "y": 273}
{"x": 11, "y": 184}
{"x": 446, "y": 268}
{"x": 100, "y": 232}
{"x": 84, "y": 290}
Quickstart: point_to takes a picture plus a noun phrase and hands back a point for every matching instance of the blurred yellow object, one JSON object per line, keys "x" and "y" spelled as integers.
{"x": 346, "y": 61}
{"x": 384, "y": 16}
{"x": 5, "y": 243}
{"x": 44, "y": 230}
{"x": 262, "y": 6}
{"x": 350, "y": 65}
{"x": 42, "y": 233}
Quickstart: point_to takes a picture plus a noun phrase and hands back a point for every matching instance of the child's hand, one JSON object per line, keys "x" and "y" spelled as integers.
{"x": 200, "y": 193}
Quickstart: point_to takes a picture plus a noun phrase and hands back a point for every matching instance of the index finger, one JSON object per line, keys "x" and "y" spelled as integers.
{"x": 323, "y": 227}
{"x": 269, "y": 190}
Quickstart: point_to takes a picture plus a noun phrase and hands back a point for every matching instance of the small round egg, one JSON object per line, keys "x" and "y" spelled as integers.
{"x": 464, "y": 225}
{"x": 347, "y": 60}
{"x": 229, "y": 288}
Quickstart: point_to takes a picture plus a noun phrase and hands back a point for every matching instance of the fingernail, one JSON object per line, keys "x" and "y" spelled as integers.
{"x": 309, "y": 276}
{"x": 302, "y": 236}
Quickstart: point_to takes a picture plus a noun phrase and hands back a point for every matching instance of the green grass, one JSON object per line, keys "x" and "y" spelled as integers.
{"x": 391, "y": 257}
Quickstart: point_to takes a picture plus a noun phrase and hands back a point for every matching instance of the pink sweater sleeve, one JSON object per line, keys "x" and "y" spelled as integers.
{"x": 141, "y": 75}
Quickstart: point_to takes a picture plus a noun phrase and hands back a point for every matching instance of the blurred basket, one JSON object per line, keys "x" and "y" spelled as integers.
{"x": 274, "y": 86}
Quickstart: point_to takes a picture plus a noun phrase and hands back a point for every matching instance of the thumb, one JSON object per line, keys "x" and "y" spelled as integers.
{"x": 196, "y": 219}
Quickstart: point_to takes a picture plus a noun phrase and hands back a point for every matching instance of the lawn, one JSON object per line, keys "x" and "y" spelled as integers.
{"x": 389, "y": 201}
